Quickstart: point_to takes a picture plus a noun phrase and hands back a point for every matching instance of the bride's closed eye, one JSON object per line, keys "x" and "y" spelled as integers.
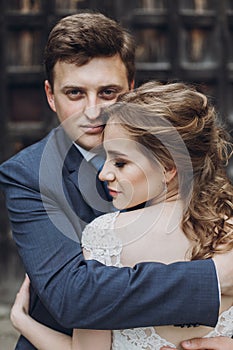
{"x": 119, "y": 164}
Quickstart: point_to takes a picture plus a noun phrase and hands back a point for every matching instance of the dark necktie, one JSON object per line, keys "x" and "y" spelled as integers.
{"x": 98, "y": 162}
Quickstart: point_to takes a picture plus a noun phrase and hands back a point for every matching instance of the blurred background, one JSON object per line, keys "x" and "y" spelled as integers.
{"x": 190, "y": 40}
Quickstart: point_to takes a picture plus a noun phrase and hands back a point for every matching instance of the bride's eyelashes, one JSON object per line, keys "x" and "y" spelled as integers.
{"x": 119, "y": 163}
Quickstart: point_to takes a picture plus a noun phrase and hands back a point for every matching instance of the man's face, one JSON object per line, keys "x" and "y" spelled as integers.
{"x": 79, "y": 93}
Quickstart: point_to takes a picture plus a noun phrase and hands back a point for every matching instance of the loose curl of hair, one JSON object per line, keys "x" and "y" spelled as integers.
{"x": 207, "y": 220}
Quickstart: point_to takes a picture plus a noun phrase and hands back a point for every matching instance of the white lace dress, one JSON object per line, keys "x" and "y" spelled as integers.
{"x": 103, "y": 245}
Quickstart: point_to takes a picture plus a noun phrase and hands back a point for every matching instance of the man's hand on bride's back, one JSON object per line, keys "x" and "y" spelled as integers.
{"x": 20, "y": 307}
{"x": 217, "y": 343}
{"x": 224, "y": 266}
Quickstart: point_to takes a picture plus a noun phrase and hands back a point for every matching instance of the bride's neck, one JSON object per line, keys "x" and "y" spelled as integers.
{"x": 171, "y": 196}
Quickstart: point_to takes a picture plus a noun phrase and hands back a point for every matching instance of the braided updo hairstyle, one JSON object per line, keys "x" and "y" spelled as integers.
{"x": 207, "y": 220}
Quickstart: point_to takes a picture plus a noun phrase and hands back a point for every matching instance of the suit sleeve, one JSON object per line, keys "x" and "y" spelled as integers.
{"x": 87, "y": 294}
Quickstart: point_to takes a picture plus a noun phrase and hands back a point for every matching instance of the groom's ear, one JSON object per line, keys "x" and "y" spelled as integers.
{"x": 50, "y": 95}
{"x": 170, "y": 174}
{"x": 131, "y": 87}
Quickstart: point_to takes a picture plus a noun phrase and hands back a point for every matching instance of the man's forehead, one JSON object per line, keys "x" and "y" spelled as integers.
{"x": 112, "y": 67}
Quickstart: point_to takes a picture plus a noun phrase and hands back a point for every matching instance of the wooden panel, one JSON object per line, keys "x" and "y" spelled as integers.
{"x": 24, "y": 6}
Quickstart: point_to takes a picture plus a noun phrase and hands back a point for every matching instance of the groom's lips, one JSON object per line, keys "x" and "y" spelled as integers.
{"x": 93, "y": 129}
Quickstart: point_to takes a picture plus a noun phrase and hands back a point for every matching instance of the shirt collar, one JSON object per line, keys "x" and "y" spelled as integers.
{"x": 86, "y": 154}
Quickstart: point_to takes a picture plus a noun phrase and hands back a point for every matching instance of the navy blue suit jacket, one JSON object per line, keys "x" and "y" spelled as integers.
{"x": 48, "y": 200}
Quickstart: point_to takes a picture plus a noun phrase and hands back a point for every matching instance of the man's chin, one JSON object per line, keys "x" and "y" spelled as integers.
{"x": 90, "y": 143}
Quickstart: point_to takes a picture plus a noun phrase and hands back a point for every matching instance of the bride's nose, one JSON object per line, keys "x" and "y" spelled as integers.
{"x": 106, "y": 173}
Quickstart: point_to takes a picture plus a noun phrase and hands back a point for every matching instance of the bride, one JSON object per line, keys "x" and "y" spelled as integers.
{"x": 165, "y": 163}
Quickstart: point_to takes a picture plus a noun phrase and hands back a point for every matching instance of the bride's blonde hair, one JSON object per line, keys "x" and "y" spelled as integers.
{"x": 206, "y": 220}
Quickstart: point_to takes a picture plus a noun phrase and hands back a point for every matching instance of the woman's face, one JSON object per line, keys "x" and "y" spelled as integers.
{"x": 132, "y": 177}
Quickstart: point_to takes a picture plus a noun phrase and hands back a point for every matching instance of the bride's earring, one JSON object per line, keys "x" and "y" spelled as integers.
{"x": 165, "y": 188}
{"x": 164, "y": 184}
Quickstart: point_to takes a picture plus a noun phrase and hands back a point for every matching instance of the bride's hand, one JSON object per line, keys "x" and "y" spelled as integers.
{"x": 20, "y": 307}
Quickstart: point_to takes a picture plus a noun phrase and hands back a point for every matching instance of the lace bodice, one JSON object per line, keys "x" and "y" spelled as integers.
{"x": 100, "y": 240}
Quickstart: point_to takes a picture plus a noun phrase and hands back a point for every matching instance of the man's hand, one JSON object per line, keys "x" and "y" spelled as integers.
{"x": 224, "y": 266}
{"x": 217, "y": 343}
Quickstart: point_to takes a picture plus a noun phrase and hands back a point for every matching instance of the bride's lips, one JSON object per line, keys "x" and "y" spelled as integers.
{"x": 113, "y": 193}
{"x": 93, "y": 129}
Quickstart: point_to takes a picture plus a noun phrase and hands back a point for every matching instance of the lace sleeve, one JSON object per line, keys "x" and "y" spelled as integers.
{"x": 100, "y": 240}
{"x": 224, "y": 326}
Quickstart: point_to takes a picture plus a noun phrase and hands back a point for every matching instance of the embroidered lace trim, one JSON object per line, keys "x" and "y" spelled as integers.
{"x": 100, "y": 240}
{"x": 102, "y": 243}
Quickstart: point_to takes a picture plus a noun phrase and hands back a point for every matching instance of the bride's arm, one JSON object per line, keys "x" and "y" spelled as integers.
{"x": 44, "y": 338}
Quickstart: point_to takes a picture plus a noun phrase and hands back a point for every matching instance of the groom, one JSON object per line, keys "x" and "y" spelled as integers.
{"x": 89, "y": 61}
